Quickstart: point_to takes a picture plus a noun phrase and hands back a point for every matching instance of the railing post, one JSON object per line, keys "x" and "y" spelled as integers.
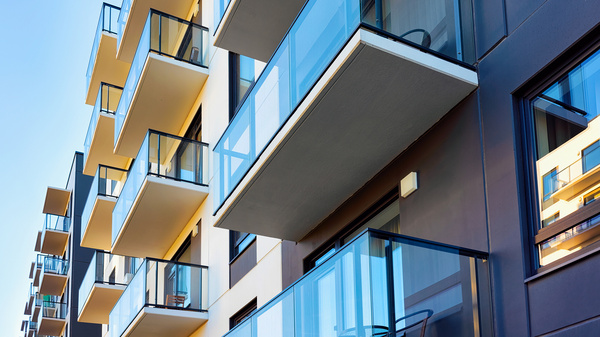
{"x": 389, "y": 266}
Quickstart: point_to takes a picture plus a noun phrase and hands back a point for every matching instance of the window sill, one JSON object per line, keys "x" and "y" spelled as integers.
{"x": 593, "y": 249}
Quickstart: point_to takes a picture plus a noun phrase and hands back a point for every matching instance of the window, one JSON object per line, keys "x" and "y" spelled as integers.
{"x": 561, "y": 121}
{"x": 243, "y": 72}
{"x": 245, "y": 312}
{"x": 385, "y": 215}
{"x": 239, "y": 242}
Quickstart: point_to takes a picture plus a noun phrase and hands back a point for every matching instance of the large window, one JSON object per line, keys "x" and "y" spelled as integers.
{"x": 243, "y": 73}
{"x": 566, "y": 132}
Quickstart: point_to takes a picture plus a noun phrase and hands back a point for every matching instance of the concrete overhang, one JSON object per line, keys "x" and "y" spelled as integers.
{"x": 101, "y": 149}
{"x": 106, "y": 67}
{"x": 165, "y": 322}
{"x": 57, "y": 201}
{"x": 97, "y": 233}
{"x": 99, "y": 303}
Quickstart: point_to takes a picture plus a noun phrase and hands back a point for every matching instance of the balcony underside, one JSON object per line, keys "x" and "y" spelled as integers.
{"x": 52, "y": 284}
{"x": 100, "y": 302}
{"x": 165, "y": 322}
{"x": 158, "y": 215}
{"x": 579, "y": 185}
{"x": 57, "y": 201}
{"x": 54, "y": 242}
{"x": 164, "y": 96}
{"x": 248, "y": 27}
{"x": 97, "y": 234}
{"x": 36, "y": 275}
{"x": 38, "y": 242}
{"x": 35, "y": 313}
{"x": 101, "y": 148}
{"x": 51, "y": 326}
{"x": 137, "y": 18}
{"x": 27, "y": 310}
{"x": 375, "y": 99}
{"x": 107, "y": 68}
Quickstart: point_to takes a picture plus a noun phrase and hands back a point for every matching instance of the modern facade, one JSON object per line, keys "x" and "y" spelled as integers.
{"x": 332, "y": 168}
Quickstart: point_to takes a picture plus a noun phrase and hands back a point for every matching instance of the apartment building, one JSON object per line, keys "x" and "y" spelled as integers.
{"x": 339, "y": 168}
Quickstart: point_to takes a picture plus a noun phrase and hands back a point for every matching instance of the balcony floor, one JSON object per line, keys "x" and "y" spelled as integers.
{"x": 165, "y": 322}
{"x": 375, "y": 99}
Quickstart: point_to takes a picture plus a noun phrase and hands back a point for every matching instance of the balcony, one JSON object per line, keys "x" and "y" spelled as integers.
{"x": 96, "y": 219}
{"x": 52, "y": 319}
{"x": 99, "y": 140}
{"x": 167, "y": 74}
{"x": 105, "y": 280}
{"x": 31, "y": 329}
{"x": 247, "y": 27}
{"x": 36, "y": 269}
{"x": 57, "y": 201}
{"x": 38, "y": 242}
{"x": 133, "y": 17}
{"x": 31, "y": 299}
{"x": 338, "y": 101}
{"x": 103, "y": 65}
{"x": 37, "y": 304}
{"x": 54, "y": 276}
{"x": 164, "y": 299}
{"x": 577, "y": 177}
{"x": 166, "y": 184}
{"x": 383, "y": 284}
{"x": 55, "y": 235}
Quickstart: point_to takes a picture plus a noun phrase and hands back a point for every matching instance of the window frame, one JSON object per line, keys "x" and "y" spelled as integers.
{"x": 234, "y": 244}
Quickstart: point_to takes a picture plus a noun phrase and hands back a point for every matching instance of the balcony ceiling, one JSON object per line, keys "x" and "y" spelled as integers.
{"x": 161, "y": 210}
{"x": 248, "y": 27}
{"x": 374, "y": 100}
{"x": 102, "y": 146}
{"x": 52, "y": 284}
{"x": 57, "y": 201}
{"x": 54, "y": 242}
{"x": 98, "y": 231}
{"x": 100, "y": 302}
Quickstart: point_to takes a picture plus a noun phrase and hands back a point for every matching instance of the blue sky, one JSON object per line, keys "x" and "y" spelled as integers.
{"x": 44, "y": 52}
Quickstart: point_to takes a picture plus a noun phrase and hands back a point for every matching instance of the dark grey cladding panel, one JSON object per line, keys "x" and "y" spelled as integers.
{"x": 518, "y": 11}
{"x": 490, "y": 24}
{"x": 563, "y": 299}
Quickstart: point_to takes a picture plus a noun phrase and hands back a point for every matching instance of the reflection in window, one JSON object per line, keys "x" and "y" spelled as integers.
{"x": 567, "y": 152}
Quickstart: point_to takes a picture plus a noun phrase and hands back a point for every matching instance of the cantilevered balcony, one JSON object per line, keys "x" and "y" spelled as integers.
{"x": 37, "y": 304}
{"x": 52, "y": 319}
{"x": 55, "y": 235}
{"x": 103, "y": 65}
{"x": 133, "y": 17}
{"x": 99, "y": 140}
{"x": 164, "y": 299}
{"x": 54, "y": 276}
{"x": 36, "y": 269}
{"x": 96, "y": 219}
{"x": 383, "y": 284}
{"x": 166, "y": 76}
{"x": 248, "y": 27}
{"x": 33, "y": 290}
{"x": 337, "y": 102}
{"x": 105, "y": 280}
{"x": 577, "y": 177}
{"x": 166, "y": 184}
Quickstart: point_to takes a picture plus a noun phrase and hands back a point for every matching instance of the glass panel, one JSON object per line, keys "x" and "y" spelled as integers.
{"x": 160, "y": 284}
{"x": 55, "y": 310}
{"x": 54, "y": 265}
{"x": 106, "y": 23}
{"x": 57, "y": 223}
{"x": 568, "y": 156}
{"x": 106, "y": 102}
{"x": 381, "y": 284}
{"x": 220, "y": 8}
{"x": 168, "y": 36}
{"x": 122, "y": 20}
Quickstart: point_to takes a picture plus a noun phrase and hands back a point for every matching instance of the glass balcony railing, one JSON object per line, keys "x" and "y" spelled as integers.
{"x": 106, "y": 268}
{"x": 122, "y": 20}
{"x": 106, "y": 102}
{"x": 588, "y": 161}
{"x": 313, "y": 41}
{"x": 168, "y": 36}
{"x": 165, "y": 156}
{"x": 53, "y": 265}
{"x": 108, "y": 182}
{"x": 32, "y": 326}
{"x": 57, "y": 223}
{"x": 107, "y": 23}
{"x": 162, "y": 284}
{"x": 39, "y": 261}
{"x": 220, "y": 8}
{"x": 56, "y": 310}
{"x": 382, "y": 284}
